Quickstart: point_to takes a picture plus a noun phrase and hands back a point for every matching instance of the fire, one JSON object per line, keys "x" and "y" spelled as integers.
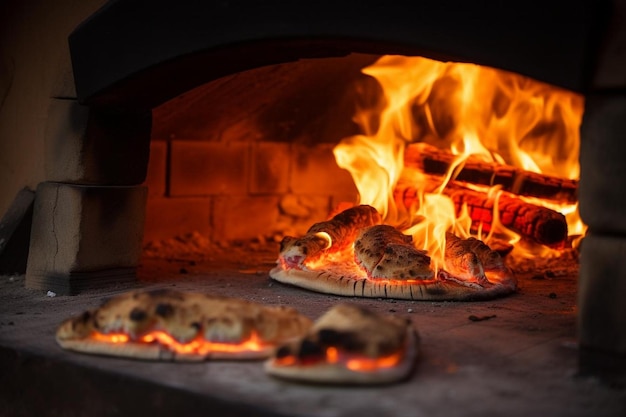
{"x": 370, "y": 365}
{"x": 198, "y": 345}
{"x": 468, "y": 110}
{"x": 356, "y": 363}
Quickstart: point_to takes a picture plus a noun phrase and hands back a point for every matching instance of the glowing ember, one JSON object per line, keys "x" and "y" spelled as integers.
{"x": 371, "y": 365}
{"x": 198, "y": 345}
{"x": 352, "y": 362}
{"x": 467, "y": 110}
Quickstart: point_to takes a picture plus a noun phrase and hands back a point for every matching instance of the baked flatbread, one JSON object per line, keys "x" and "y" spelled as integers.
{"x": 470, "y": 260}
{"x": 384, "y": 263}
{"x": 181, "y": 326}
{"x": 331, "y": 236}
{"x": 385, "y": 252}
{"x": 349, "y": 345}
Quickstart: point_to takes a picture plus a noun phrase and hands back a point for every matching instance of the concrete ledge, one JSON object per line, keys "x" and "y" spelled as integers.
{"x": 30, "y": 386}
{"x": 83, "y": 229}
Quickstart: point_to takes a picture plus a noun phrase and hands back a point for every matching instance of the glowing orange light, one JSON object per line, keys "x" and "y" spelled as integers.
{"x": 354, "y": 363}
{"x": 110, "y": 338}
{"x": 466, "y": 109}
{"x": 197, "y": 345}
{"x": 332, "y": 355}
{"x": 370, "y": 365}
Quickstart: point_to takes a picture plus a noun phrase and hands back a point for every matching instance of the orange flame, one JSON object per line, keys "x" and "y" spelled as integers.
{"x": 197, "y": 346}
{"x": 470, "y": 110}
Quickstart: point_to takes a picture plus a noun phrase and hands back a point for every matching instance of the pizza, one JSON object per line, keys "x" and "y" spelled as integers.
{"x": 382, "y": 262}
{"x": 181, "y": 326}
{"x": 385, "y": 252}
{"x": 331, "y": 236}
{"x": 470, "y": 260}
{"x": 349, "y": 344}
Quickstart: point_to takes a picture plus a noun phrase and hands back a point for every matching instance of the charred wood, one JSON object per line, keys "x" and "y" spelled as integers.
{"x": 435, "y": 161}
{"x": 540, "y": 224}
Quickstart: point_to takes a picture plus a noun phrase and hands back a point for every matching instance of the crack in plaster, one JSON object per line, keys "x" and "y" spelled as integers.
{"x": 54, "y": 231}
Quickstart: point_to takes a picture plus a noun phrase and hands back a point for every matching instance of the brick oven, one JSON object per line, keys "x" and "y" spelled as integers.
{"x": 220, "y": 118}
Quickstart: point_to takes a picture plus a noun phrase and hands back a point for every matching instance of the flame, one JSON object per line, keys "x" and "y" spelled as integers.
{"x": 470, "y": 110}
{"x": 197, "y": 346}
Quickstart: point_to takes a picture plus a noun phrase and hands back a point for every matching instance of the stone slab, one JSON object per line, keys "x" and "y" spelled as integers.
{"x": 521, "y": 362}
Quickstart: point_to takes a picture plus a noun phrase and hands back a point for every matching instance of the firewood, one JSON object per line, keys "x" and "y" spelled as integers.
{"x": 433, "y": 160}
{"x": 540, "y": 224}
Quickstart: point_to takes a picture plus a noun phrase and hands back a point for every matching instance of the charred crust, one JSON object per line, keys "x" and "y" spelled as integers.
{"x": 164, "y": 292}
{"x": 82, "y": 320}
{"x": 329, "y": 337}
{"x": 85, "y": 317}
{"x": 137, "y": 314}
{"x": 309, "y": 348}
{"x": 164, "y": 310}
{"x": 347, "y": 341}
{"x": 388, "y": 250}
{"x": 196, "y": 325}
{"x": 283, "y": 352}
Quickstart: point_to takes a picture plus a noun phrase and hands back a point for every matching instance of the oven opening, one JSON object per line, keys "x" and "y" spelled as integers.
{"x": 240, "y": 163}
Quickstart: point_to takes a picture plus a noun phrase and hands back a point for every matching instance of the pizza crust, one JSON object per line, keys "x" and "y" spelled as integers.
{"x": 332, "y": 235}
{"x": 346, "y": 281}
{"x": 386, "y": 253}
{"x": 181, "y": 326}
{"x": 384, "y": 263}
{"x": 356, "y": 334}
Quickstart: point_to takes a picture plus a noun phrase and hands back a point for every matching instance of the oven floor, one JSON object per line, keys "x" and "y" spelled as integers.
{"x": 520, "y": 360}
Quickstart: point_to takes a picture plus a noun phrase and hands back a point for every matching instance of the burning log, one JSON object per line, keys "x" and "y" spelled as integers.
{"x": 435, "y": 161}
{"x": 541, "y": 224}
